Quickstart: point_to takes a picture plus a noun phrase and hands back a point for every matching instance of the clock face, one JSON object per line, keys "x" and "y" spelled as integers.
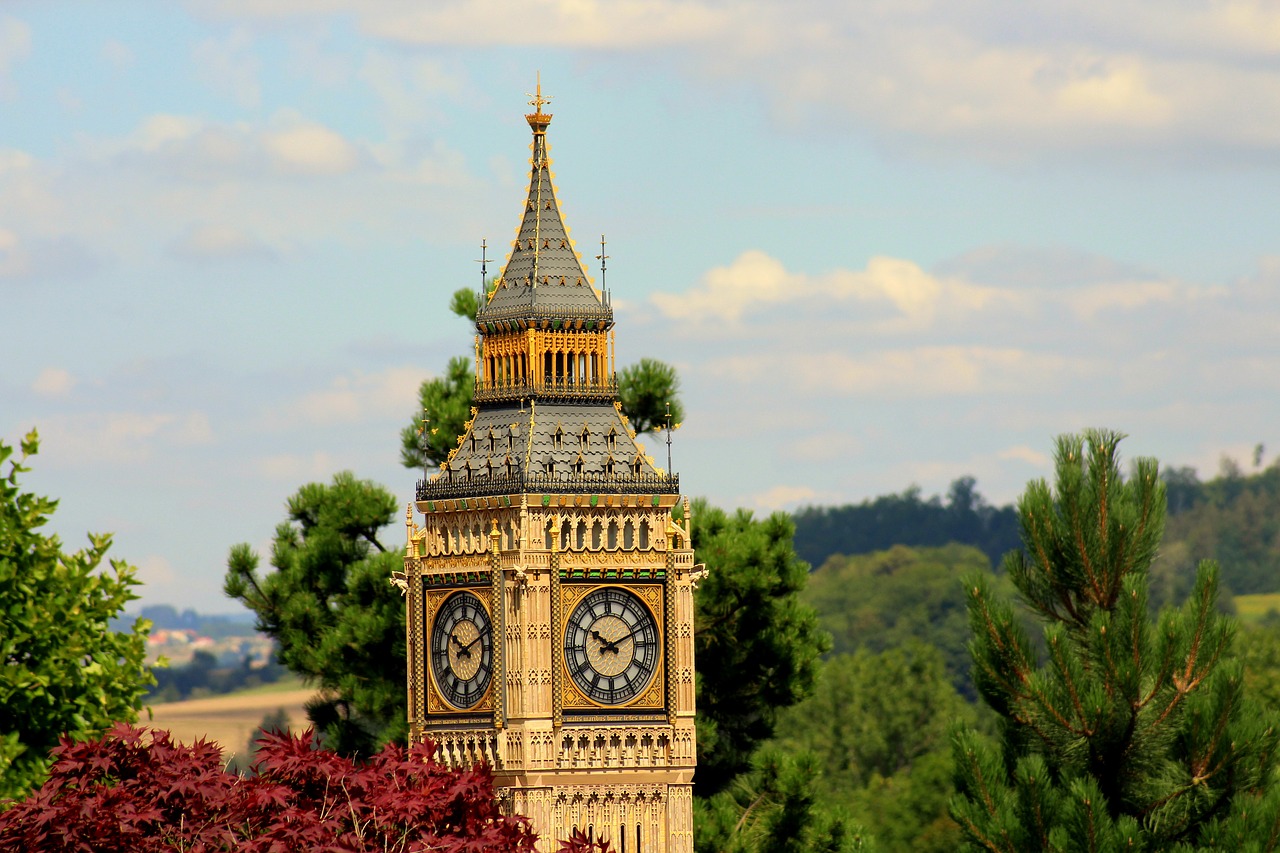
{"x": 611, "y": 646}
{"x": 462, "y": 649}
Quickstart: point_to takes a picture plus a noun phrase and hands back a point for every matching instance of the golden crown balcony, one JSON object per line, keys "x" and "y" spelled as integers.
{"x": 499, "y": 390}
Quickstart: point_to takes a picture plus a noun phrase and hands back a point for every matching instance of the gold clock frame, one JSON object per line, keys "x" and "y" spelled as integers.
{"x": 437, "y": 705}
{"x": 653, "y": 697}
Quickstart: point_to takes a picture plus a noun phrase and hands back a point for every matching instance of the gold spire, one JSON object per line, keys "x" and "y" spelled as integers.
{"x": 538, "y": 120}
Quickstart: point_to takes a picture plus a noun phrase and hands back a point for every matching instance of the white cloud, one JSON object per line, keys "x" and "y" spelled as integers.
{"x": 15, "y": 46}
{"x": 118, "y": 54}
{"x": 156, "y": 571}
{"x": 1001, "y": 82}
{"x": 351, "y": 398}
{"x": 1023, "y": 453}
{"x": 230, "y": 67}
{"x": 119, "y": 438}
{"x": 53, "y": 382}
{"x": 61, "y": 257}
{"x": 292, "y": 467}
{"x": 783, "y": 497}
{"x": 13, "y": 259}
{"x": 552, "y": 23}
{"x": 756, "y": 282}
{"x": 203, "y": 243}
{"x": 310, "y": 149}
{"x": 919, "y": 371}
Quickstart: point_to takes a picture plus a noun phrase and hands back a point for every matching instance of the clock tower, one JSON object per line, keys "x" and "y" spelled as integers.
{"x": 550, "y": 581}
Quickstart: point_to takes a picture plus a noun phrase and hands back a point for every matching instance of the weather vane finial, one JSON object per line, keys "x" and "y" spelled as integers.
{"x": 538, "y": 101}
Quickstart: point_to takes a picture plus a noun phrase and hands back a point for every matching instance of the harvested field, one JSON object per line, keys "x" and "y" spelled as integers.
{"x": 230, "y": 720}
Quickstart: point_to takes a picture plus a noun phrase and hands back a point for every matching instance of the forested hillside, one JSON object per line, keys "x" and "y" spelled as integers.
{"x": 1233, "y": 518}
{"x": 886, "y": 583}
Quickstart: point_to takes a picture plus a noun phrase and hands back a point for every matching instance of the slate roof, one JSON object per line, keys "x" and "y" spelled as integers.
{"x": 544, "y": 276}
{"x": 540, "y": 449}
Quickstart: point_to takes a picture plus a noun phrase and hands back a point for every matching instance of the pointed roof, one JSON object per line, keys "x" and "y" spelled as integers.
{"x": 544, "y": 276}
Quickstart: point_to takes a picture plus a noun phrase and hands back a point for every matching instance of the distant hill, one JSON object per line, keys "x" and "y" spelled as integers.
{"x": 217, "y": 626}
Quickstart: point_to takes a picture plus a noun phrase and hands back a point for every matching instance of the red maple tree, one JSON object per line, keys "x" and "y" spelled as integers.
{"x": 135, "y": 791}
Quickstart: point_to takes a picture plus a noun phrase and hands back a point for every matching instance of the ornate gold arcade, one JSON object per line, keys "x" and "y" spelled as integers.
{"x": 528, "y": 362}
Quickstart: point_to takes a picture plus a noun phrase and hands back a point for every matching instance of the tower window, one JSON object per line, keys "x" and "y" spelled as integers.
{"x": 585, "y": 438}
{"x": 557, "y": 440}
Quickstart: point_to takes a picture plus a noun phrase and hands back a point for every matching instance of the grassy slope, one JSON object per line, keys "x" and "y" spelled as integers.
{"x": 1251, "y": 608}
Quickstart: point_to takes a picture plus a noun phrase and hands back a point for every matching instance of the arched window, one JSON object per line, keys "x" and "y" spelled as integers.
{"x": 596, "y": 530}
{"x": 546, "y": 539}
{"x": 629, "y": 535}
{"x": 613, "y": 535}
{"x": 582, "y": 535}
{"x": 644, "y": 534}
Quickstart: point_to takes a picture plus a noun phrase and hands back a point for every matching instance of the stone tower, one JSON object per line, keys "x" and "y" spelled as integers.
{"x": 550, "y": 583}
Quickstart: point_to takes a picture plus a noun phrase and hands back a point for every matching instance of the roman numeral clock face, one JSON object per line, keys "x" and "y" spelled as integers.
{"x": 462, "y": 650}
{"x": 611, "y": 646}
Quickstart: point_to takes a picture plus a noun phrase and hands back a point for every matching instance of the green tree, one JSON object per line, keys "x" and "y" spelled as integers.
{"x": 65, "y": 671}
{"x": 446, "y": 404}
{"x": 645, "y": 389}
{"x": 888, "y": 599}
{"x": 1132, "y": 735}
{"x": 878, "y": 725}
{"x": 329, "y": 606}
{"x": 776, "y": 808}
{"x": 757, "y": 645}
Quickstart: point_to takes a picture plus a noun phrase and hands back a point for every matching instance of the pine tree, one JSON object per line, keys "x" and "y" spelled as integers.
{"x": 1124, "y": 734}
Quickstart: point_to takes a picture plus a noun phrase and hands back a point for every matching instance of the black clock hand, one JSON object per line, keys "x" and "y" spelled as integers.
{"x": 478, "y": 638}
{"x": 462, "y": 650}
{"x": 606, "y": 645}
{"x": 612, "y": 645}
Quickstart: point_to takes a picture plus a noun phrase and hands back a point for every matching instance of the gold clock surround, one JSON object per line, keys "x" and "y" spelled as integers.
{"x": 437, "y": 704}
{"x": 652, "y": 697}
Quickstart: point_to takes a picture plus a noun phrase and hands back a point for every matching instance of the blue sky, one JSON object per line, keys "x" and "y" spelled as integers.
{"x": 889, "y": 243}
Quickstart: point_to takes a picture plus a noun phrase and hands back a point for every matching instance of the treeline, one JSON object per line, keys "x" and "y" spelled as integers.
{"x": 907, "y": 519}
{"x": 1233, "y": 518}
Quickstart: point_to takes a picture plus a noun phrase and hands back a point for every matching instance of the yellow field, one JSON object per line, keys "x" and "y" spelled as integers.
{"x": 1251, "y": 608}
{"x": 230, "y": 720}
